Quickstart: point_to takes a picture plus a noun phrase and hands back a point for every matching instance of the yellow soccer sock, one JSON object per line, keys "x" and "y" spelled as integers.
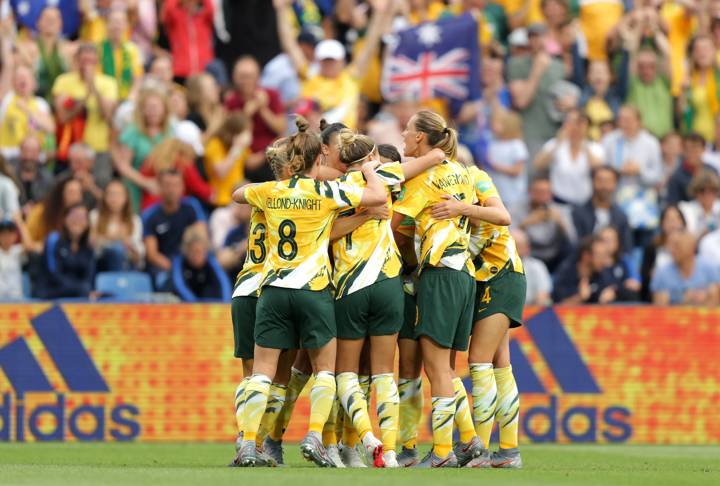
{"x": 387, "y": 405}
{"x": 272, "y": 411}
{"x": 463, "y": 418}
{"x": 364, "y": 382}
{"x": 340, "y": 419}
{"x": 240, "y": 403}
{"x": 484, "y": 393}
{"x": 298, "y": 380}
{"x": 507, "y": 413}
{"x": 410, "y": 410}
{"x": 329, "y": 435}
{"x": 350, "y": 436}
{"x": 322, "y": 397}
{"x": 256, "y": 392}
{"x": 443, "y": 412}
{"x": 353, "y": 401}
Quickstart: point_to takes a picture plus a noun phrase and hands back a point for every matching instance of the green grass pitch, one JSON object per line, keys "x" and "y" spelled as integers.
{"x": 181, "y": 464}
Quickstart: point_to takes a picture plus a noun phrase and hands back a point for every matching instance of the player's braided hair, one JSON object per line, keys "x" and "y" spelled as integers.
{"x": 354, "y": 147}
{"x": 303, "y": 148}
{"x": 439, "y": 135}
{"x": 277, "y": 156}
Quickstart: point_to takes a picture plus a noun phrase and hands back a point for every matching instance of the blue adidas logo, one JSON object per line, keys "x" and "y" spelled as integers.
{"x": 550, "y": 423}
{"x": 79, "y": 374}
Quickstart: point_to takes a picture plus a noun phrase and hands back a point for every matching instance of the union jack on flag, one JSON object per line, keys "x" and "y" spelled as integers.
{"x": 434, "y": 60}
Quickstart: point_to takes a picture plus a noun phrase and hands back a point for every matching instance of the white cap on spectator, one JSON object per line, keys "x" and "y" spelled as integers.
{"x": 329, "y": 49}
{"x": 189, "y": 133}
{"x": 518, "y": 37}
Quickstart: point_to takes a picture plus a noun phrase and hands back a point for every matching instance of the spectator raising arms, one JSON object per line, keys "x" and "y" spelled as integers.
{"x": 336, "y": 86}
{"x": 69, "y": 259}
{"x": 116, "y": 232}
{"x": 165, "y": 222}
{"x": 196, "y": 275}
{"x": 686, "y": 280}
{"x": 227, "y": 157}
{"x": 263, "y": 107}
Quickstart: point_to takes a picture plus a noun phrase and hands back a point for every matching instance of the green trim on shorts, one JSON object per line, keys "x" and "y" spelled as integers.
{"x": 243, "y": 319}
{"x": 445, "y": 299}
{"x": 376, "y": 310}
{"x": 502, "y": 294}
{"x": 294, "y": 318}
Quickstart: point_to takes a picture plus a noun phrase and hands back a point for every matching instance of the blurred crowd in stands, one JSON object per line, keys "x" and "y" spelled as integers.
{"x": 125, "y": 125}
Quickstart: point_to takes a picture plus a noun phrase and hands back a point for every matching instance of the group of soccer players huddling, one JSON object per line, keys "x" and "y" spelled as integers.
{"x": 352, "y": 254}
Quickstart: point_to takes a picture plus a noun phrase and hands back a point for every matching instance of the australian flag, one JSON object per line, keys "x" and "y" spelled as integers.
{"x": 434, "y": 60}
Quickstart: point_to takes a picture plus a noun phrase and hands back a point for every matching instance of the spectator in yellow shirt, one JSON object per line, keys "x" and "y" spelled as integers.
{"x": 700, "y": 99}
{"x": 597, "y": 19}
{"x": 120, "y": 58}
{"x": 226, "y": 156}
{"x": 336, "y": 86}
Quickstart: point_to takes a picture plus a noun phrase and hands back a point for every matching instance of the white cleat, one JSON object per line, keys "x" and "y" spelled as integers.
{"x": 390, "y": 459}
{"x": 334, "y": 453}
{"x": 350, "y": 457}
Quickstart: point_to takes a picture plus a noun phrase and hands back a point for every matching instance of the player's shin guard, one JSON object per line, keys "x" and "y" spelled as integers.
{"x": 276, "y": 400}
{"x": 463, "y": 418}
{"x": 353, "y": 401}
{"x": 256, "y": 393}
{"x": 387, "y": 404}
{"x": 485, "y": 394}
{"x": 410, "y": 410}
{"x": 298, "y": 380}
{"x": 443, "y": 413}
{"x": 507, "y": 413}
{"x": 329, "y": 434}
{"x": 240, "y": 403}
{"x": 322, "y": 397}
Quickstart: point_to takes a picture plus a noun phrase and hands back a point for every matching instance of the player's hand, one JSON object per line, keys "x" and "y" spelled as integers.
{"x": 370, "y": 166}
{"x": 438, "y": 155}
{"x": 448, "y": 209}
{"x": 378, "y": 212}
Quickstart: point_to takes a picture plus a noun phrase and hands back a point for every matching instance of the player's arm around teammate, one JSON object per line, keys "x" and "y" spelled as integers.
{"x": 500, "y": 297}
{"x": 295, "y": 308}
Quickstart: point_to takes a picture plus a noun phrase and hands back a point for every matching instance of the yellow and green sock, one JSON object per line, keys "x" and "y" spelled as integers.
{"x": 463, "y": 418}
{"x": 410, "y": 410}
{"x": 298, "y": 380}
{"x": 240, "y": 403}
{"x": 256, "y": 393}
{"x": 353, "y": 401}
{"x": 507, "y": 413}
{"x": 485, "y": 395}
{"x": 322, "y": 397}
{"x": 443, "y": 413}
{"x": 275, "y": 403}
{"x": 387, "y": 405}
{"x": 329, "y": 433}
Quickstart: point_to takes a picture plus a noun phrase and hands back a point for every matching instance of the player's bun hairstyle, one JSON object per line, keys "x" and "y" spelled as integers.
{"x": 390, "y": 152}
{"x": 439, "y": 135}
{"x": 327, "y": 130}
{"x": 277, "y": 156}
{"x": 303, "y": 148}
{"x": 354, "y": 147}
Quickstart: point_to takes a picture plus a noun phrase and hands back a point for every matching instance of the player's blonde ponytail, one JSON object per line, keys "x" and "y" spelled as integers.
{"x": 439, "y": 135}
{"x": 354, "y": 147}
{"x": 303, "y": 148}
{"x": 277, "y": 156}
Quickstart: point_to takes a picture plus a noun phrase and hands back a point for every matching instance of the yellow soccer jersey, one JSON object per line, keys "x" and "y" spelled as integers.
{"x": 368, "y": 254}
{"x": 439, "y": 242}
{"x": 249, "y": 278}
{"x": 300, "y": 212}
{"x": 491, "y": 245}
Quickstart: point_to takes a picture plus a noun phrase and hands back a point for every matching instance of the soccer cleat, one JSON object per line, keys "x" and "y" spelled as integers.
{"x": 334, "y": 455}
{"x": 274, "y": 450}
{"x": 390, "y": 459}
{"x": 374, "y": 448}
{"x": 433, "y": 461}
{"x": 467, "y": 451}
{"x": 408, "y": 457}
{"x": 247, "y": 455}
{"x": 238, "y": 442}
{"x": 507, "y": 459}
{"x": 263, "y": 459}
{"x": 351, "y": 457}
{"x": 313, "y": 450}
{"x": 484, "y": 460}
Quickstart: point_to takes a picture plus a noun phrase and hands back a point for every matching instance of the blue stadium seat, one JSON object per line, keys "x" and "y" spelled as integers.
{"x": 123, "y": 284}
